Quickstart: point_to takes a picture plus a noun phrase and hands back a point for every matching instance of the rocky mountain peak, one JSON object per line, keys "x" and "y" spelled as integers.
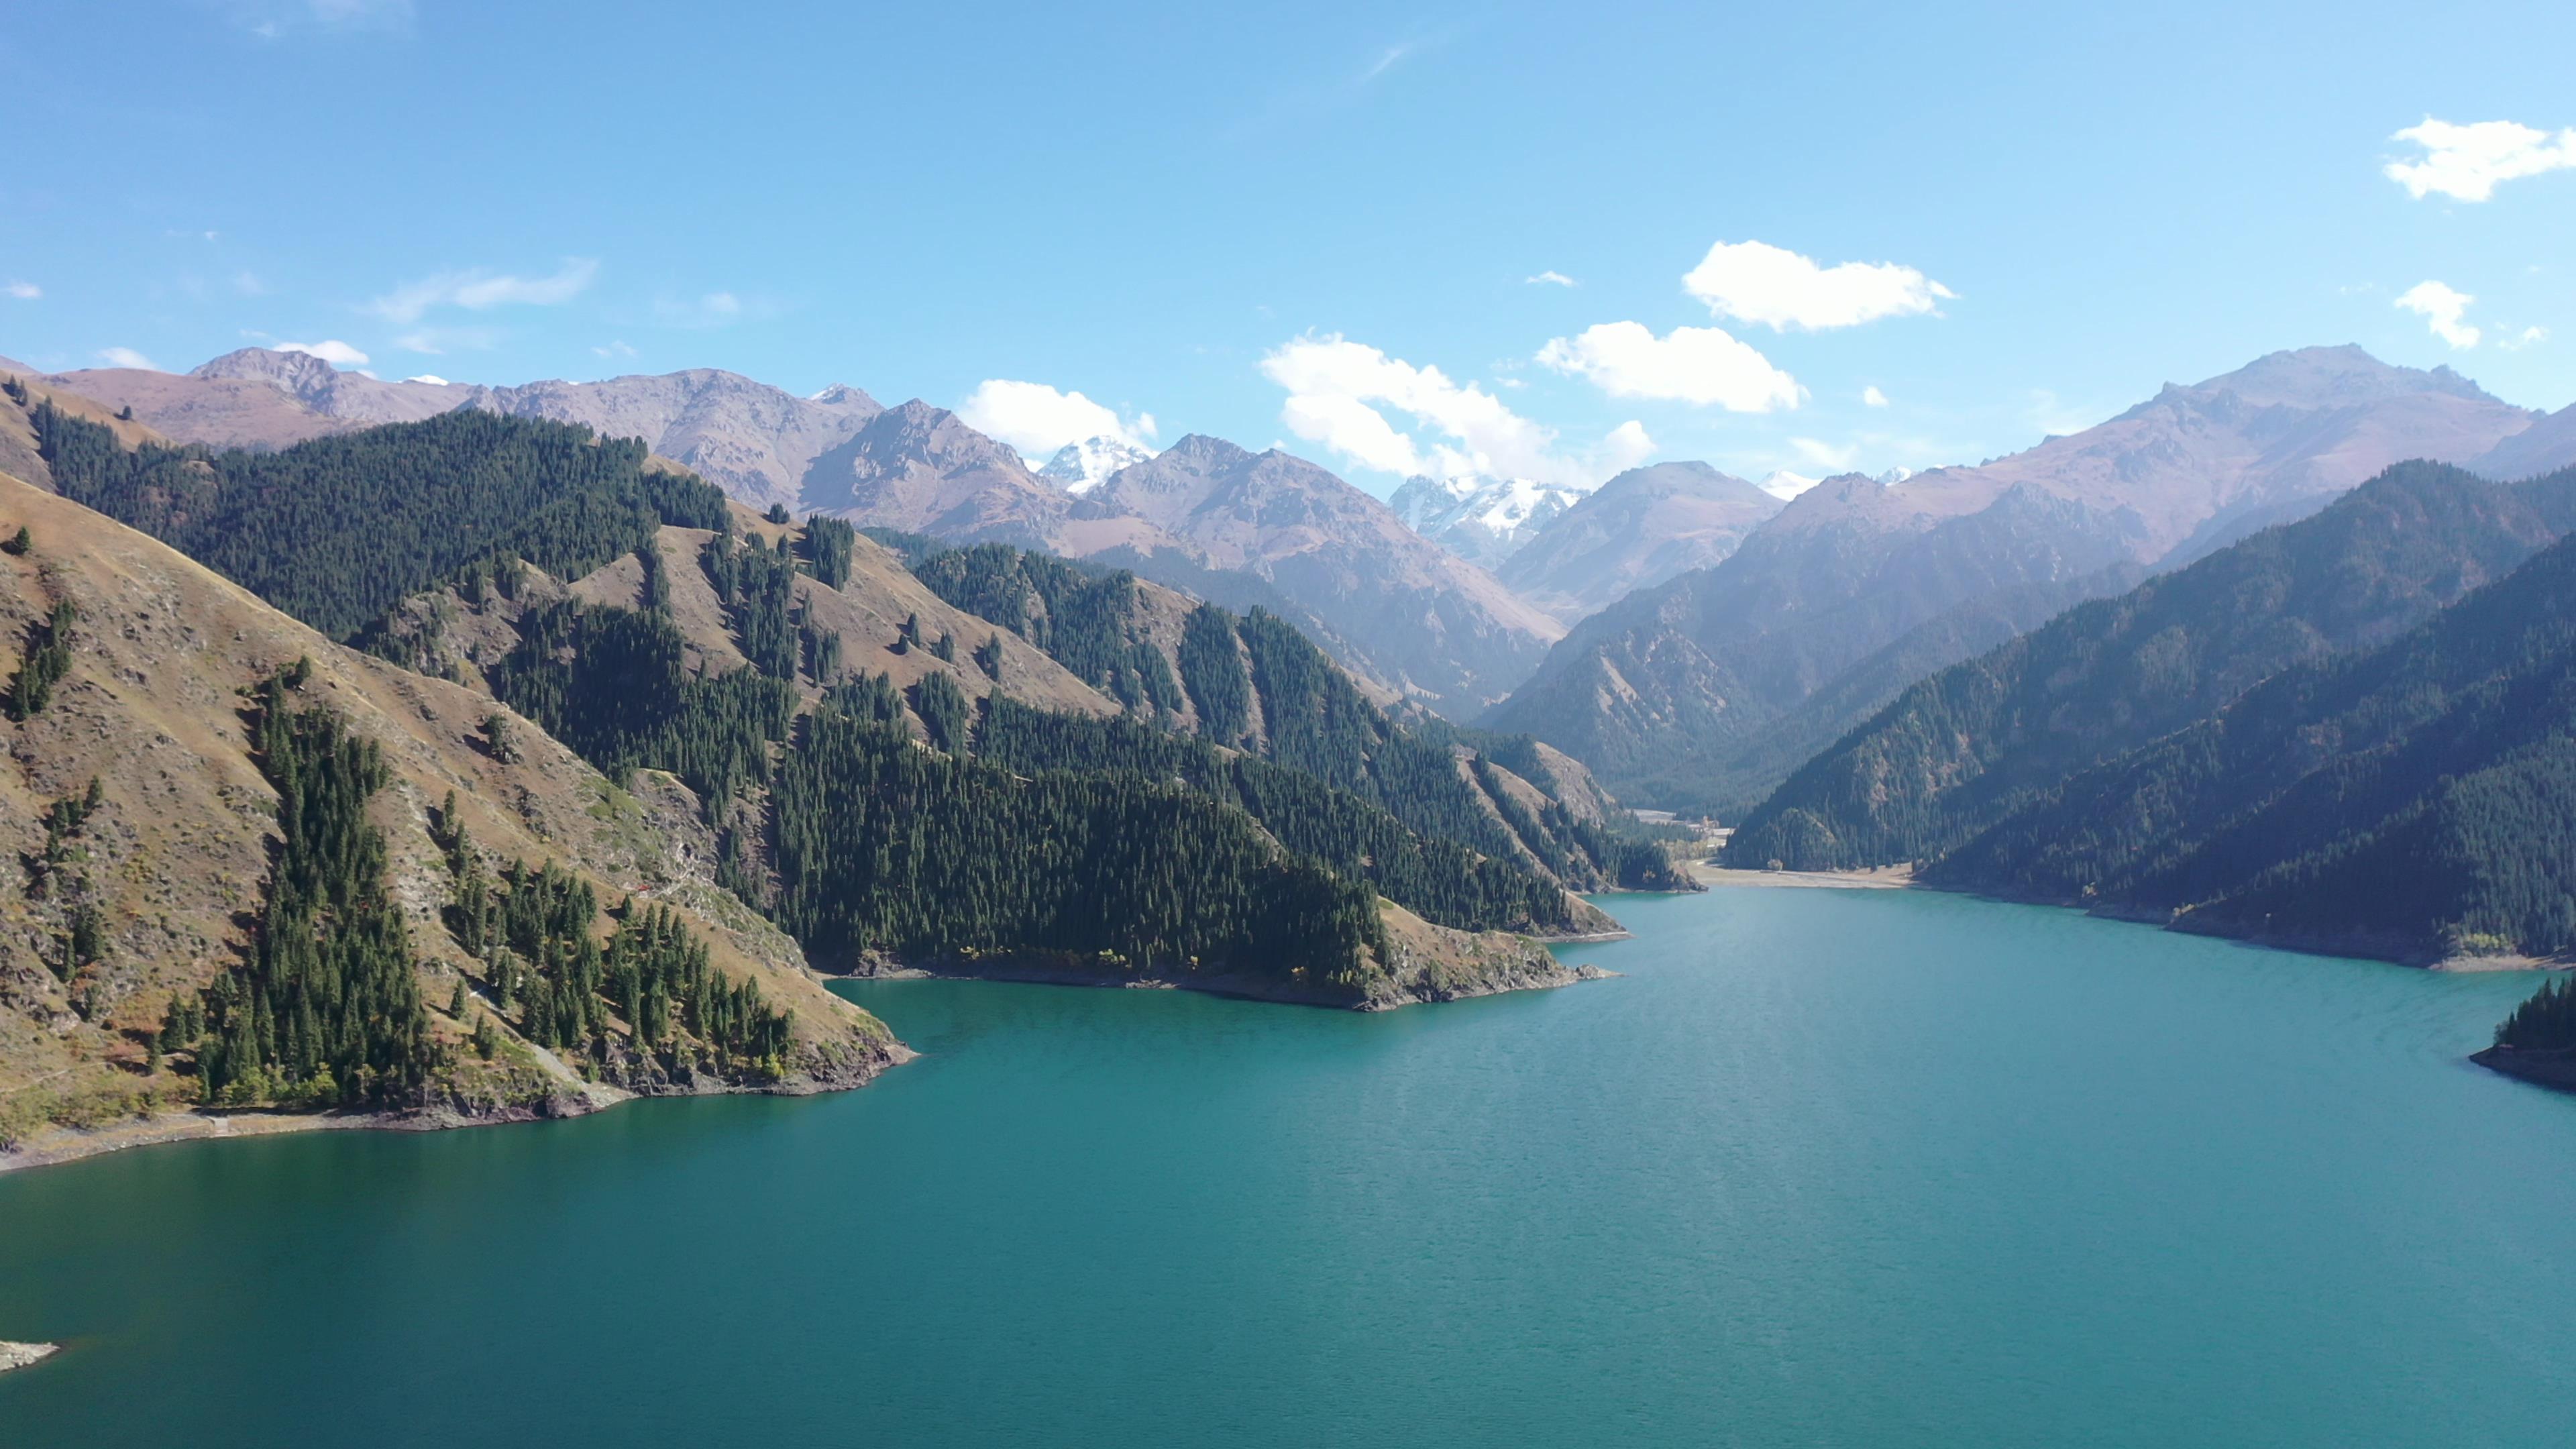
{"x": 1083, "y": 466}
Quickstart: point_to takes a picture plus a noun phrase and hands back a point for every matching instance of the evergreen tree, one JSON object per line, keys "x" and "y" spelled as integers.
{"x": 327, "y": 1011}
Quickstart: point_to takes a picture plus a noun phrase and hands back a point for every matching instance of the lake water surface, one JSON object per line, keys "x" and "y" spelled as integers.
{"x": 1822, "y": 1167}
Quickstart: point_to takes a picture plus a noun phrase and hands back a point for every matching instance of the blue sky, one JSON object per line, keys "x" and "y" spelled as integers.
{"x": 1269, "y": 225}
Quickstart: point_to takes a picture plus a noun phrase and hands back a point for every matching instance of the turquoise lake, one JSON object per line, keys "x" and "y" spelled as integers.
{"x": 1820, "y": 1167}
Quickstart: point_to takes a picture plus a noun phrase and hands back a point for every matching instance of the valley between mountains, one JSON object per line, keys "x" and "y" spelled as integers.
{"x": 420, "y": 753}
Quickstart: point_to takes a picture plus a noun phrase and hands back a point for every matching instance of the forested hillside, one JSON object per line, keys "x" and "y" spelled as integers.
{"x": 242, "y": 846}
{"x": 337, "y": 530}
{"x": 1256, "y": 684}
{"x": 696, "y": 650}
{"x": 1978, "y": 740}
{"x": 2413, "y": 801}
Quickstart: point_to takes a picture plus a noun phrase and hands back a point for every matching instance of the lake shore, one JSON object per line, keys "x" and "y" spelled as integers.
{"x": 2553, "y": 1069}
{"x": 20, "y": 1355}
{"x": 53, "y": 1146}
{"x": 1881, "y": 878}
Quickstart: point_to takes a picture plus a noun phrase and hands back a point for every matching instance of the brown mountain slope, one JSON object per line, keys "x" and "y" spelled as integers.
{"x": 20, "y": 395}
{"x": 750, "y": 439}
{"x": 452, "y": 636}
{"x": 1633, "y": 532}
{"x": 1664, "y": 692}
{"x": 1433, "y": 625}
{"x": 2545, "y": 447}
{"x": 920, "y": 469}
{"x": 754, "y": 441}
{"x": 163, "y": 656}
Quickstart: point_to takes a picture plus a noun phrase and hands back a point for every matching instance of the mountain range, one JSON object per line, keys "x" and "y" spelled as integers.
{"x": 1718, "y": 637}
{"x": 1259, "y": 529}
{"x": 1981, "y": 739}
{"x": 1697, "y": 693}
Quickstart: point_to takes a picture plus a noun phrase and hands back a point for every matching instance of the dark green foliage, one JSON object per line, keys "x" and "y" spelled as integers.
{"x": 1212, "y": 670}
{"x": 758, "y": 587}
{"x": 657, "y": 977}
{"x": 49, "y": 658}
{"x": 338, "y": 530}
{"x": 18, "y": 543}
{"x": 1080, "y": 617}
{"x": 827, "y": 550}
{"x": 612, "y": 684}
{"x": 866, "y": 697}
{"x": 2546, "y": 1022}
{"x": 884, "y": 846}
{"x": 657, "y": 580}
{"x": 823, "y": 653}
{"x": 988, "y": 657}
{"x": 945, "y": 647}
{"x": 327, "y": 1011}
{"x": 1978, "y": 740}
{"x": 534, "y": 930}
{"x": 777, "y": 513}
{"x": 945, "y": 712}
{"x": 1439, "y": 880}
{"x": 2415, "y": 800}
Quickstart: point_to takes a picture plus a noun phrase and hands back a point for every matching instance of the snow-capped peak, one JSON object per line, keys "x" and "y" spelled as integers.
{"x": 433, "y": 379}
{"x": 1479, "y": 517}
{"x": 1081, "y": 467}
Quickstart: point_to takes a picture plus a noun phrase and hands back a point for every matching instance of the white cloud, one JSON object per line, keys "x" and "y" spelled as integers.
{"x": 1872, "y": 397}
{"x": 479, "y": 291}
{"x": 715, "y": 309}
{"x": 1757, "y": 282}
{"x": 1826, "y": 455}
{"x": 2442, "y": 310}
{"x": 2527, "y": 337}
{"x": 127, "y": 357}
{"x": 439, "y": 341}
{"x": 1037, "y": 419}
{"x": 1336, "y": 387}
{"x": 2466, "y": 162}
{"x": 249, "y": 284}
{"x": 332, "y": 351}
{"x": 1550, "y": 278}
{"x": 1696, "y": 365}
{"x": 613, "y": 349}
{"x": 24, "y": 291}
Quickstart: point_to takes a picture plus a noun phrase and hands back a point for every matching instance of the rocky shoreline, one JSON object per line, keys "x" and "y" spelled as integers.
{"x": 1527, "y": 974}
{"x": 2554, "y": 1069}
{"x": 572, "y": 1099}
{"x": 20, "y": 1355}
